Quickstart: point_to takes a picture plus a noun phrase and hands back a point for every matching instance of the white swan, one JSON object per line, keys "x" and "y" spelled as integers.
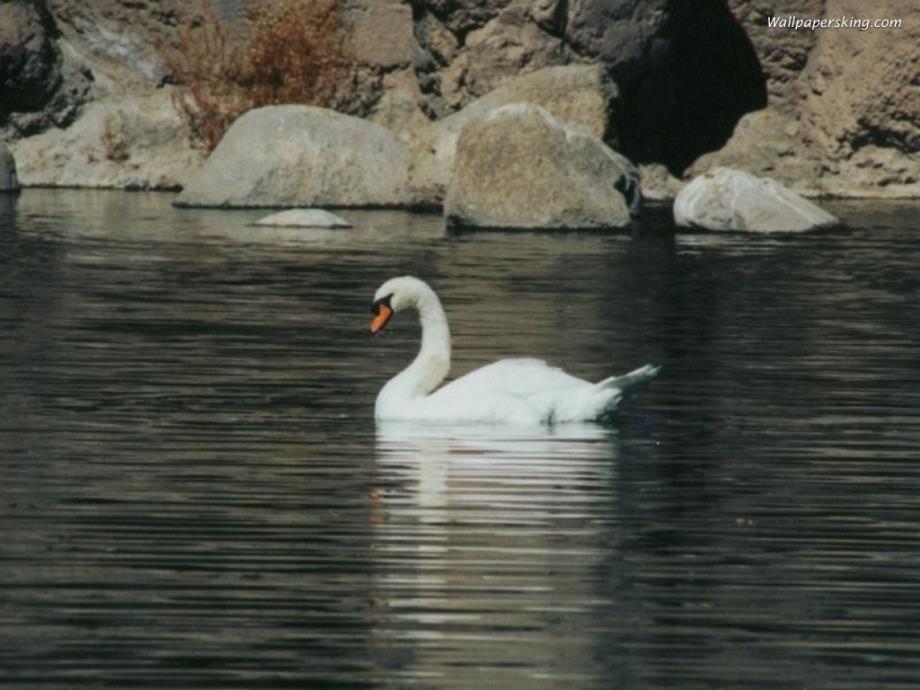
{"x": 517, "y": 391}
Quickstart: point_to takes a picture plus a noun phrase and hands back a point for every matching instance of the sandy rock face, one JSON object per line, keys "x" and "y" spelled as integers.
{"x": 782, "y": 54}
{"x": 520, "y": 167}
{"x": 844, "y": 117}
{"x": 727, "y": 199}
{"x": 135, "y": 142}
{"x": 295, "y": 155}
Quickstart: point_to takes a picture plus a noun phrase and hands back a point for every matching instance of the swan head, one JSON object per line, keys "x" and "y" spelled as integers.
{"x": 395, "y": 295}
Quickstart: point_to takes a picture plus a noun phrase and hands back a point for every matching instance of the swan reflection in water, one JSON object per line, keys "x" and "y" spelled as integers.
{"x": 485, "y": 539}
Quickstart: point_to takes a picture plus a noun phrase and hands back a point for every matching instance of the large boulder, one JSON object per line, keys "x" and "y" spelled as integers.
{"x": 293, "y": 155}
{"x": 520, "y": 167}
{"x": 9, "y": 182}
{"x": 727, "y": 199}
{"x": 580, "y": 94}
{"x": 134, "y": 142}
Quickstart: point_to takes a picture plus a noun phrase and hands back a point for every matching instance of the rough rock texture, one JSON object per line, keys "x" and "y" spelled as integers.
{"x": 382, "y": 32}
{"x": 9, "y": 182}
{"x": 120, "y": 41}
{"x": 384, "y": 43}
{"x": 302, "y": 156}
{"x": 520, "y": 167}
{"x": 29, "y": 59}
{"x": 580, "y": 94}
{"x": 303, "y": 218}
{"x": 658, "y": 184}
{"x": 726, "y": 199}
{"x": 135, "y": 142}
{"x": 783, "y": 54}
{"x": 844, "y": 117}
{"x": 39, "y": 87}
{"x": 686, "y": 70}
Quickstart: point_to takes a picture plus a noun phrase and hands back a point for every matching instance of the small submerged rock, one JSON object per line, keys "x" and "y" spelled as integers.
{"x": 729, "y": 199}
{"x": 303, "y": 218}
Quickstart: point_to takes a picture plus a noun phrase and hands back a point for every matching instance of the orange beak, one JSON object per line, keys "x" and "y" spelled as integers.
{"x": 380, "y": 320}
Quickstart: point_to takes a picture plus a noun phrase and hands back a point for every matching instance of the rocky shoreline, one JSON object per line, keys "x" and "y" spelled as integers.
{"x": 615, "y": 92}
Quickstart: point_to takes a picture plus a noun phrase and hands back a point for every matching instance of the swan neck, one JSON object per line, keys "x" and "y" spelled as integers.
{"x": 435, "y": 332}
{"x": 430, "y": 366}
{"x": 432, "y": 363}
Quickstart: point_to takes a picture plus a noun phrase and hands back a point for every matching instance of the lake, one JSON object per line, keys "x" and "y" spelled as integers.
{"x": 194, "y": 494}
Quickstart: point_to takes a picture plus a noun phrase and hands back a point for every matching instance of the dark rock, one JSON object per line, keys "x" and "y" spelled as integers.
{"x": 9, "y": 182}
{"x": 30, "y": 62}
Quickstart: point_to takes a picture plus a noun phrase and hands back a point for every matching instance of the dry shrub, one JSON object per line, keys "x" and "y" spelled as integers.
{"x": 295, "y": 51}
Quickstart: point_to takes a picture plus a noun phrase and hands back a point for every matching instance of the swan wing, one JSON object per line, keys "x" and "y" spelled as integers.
{"x": 522, "y": 377}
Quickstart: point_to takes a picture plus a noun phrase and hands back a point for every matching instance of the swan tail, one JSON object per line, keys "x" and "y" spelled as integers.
{"x": 631, "y": 383}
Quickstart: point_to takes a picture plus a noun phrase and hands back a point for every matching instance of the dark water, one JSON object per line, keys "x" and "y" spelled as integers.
{"x": 193, "y": 493}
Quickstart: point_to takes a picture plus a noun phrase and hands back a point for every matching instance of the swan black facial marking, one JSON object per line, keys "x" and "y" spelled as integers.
{"x": 375, "y": 307}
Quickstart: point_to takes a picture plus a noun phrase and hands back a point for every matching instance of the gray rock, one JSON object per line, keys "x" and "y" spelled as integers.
{"x": 9, "y": 182}
{"x": 520, "y": 167}
{"x": 509, "y": 45}
{"x": 728, "y": 199}
{"x": 623, "y": 35}
{"x": 293, "y": 155}
{"x": 303, "y": 218}
{"x": 580, "y": 94}
{"x": 127, "y": 143}
{"x": 658, "y": 184}
{"x": 382, "y": 33}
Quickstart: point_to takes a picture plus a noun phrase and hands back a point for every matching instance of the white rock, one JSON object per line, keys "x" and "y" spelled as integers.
{"x": 304, "y": 218}
{"x": 729, "y": 199}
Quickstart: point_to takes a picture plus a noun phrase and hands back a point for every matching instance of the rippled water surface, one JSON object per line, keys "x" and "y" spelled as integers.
{"x": 194, "y": 494}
